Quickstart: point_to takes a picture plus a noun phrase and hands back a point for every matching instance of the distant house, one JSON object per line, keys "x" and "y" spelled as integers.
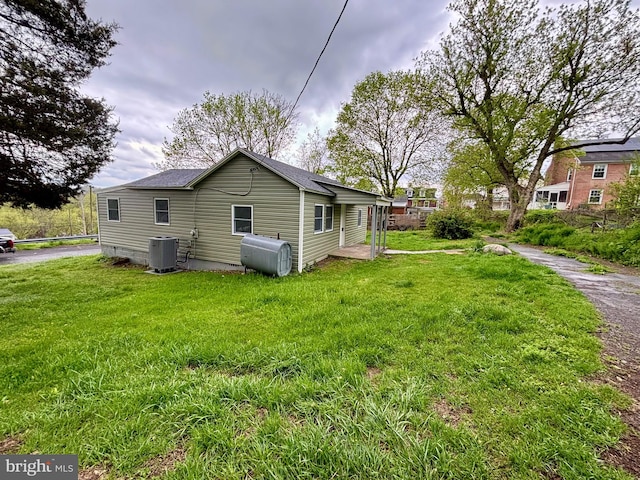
{"x": 573, "y": 181}
{"x": 211, "y": 210}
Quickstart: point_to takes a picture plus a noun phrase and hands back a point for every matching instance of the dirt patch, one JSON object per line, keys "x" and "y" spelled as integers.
{"x": 10, "y": 445}
{"x": 373, "y": 373}
{"x": 92, "y": 473}
{"x": 450, "y": 414}
{"x": 163, "y": 464}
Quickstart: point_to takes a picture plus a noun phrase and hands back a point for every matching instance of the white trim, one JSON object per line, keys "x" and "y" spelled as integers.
{"x": 233, "y": 220}
{"x": 359, "y": 218}
{"x": 593, "y": 172}
{"x": 599, "y": 202}
{"x": 301, "y": 231}
{"x": 155, "y": 211}
{"x": 315, "y": 205}
{"x": 569, "y": 174}
{"x": 117, "y": 199}
{"x": 634, "y": 169}
{"x": 333, "y": 212}
{"x": 343, "y": 225}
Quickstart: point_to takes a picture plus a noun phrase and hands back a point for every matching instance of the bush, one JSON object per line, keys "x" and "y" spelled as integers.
{"x": 533, "y": 217}
{"x": 549, "y": 234}
{"x": 452, "y": 224}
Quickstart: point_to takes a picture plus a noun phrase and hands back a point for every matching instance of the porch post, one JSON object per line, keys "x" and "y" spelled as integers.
{"x": 374, "y": 227}
{"x": 380, "y": 229}
{"x": 386, "y": 222}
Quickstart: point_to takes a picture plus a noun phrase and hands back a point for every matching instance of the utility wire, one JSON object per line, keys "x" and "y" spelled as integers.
{"x": 295, "y": 104}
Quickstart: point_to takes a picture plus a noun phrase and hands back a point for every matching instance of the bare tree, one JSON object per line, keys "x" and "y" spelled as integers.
{"x": 313, "y": 154}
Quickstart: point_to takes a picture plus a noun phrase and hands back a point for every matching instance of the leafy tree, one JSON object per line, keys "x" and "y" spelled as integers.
{"x": 210, "y": 130}
{"x": 313, "y": 154}
{"x": 384, "y": 132}
{"x": 627, "y": 192}
{"x": 517, "y": 79}
{"x": 470, "y": 171}
{"x": 53, "y": 139}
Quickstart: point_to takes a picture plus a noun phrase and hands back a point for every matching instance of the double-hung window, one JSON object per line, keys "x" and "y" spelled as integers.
{"x": 242, "y": 219}
{"x": 161, "y": 211}
{"x": 599, "y": 170}
{"x": 318, "y": 218}
{"x": 359, "y": 217}
{"x": 328, "y": 218}
{"x": 634, "y": 169}
{"x": 595, "y": 196}
{"x": 113, "y": 209}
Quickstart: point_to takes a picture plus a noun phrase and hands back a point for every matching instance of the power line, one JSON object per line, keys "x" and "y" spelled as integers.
{"x": 295, "y": 104}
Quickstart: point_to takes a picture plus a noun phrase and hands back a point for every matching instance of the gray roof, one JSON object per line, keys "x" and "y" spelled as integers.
{"x": 174, "y": 178}
{"x": 188, "y": 178}
{"x": 611, "y": 153}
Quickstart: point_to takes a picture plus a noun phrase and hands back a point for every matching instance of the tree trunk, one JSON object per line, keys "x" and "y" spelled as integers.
{"x": 516, "y": 216}
{"x": 519, "y": 198}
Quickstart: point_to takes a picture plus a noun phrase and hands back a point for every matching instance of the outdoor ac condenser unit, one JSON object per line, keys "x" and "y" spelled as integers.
{"x": 163, "y": 254}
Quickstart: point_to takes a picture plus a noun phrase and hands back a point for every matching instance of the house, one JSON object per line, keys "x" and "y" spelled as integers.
{"x": 211, "y": 210}
{"x": 572, "y": 181}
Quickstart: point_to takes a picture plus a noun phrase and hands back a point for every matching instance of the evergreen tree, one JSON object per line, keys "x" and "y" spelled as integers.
{"x": 53, "y": 139}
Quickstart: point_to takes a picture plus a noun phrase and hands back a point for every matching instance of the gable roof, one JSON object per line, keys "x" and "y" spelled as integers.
{"x": 174, "y": 178}
{"x": 611, "y": 153}
{"x": 187, "y": 179}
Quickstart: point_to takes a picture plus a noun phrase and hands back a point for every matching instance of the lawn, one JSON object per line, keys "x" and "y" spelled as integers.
{"x": 424, "y": 366}
{"x": 418, "y": 240}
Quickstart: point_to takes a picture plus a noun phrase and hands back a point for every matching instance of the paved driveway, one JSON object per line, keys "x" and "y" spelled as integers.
{"x": 43, "y": 254}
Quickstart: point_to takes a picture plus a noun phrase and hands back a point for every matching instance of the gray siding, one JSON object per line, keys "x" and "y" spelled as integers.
{"x": 352, "y": 197}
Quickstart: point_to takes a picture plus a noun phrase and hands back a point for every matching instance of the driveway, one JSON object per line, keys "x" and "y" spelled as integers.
{"x": 43, "y": 254}
{"x": 617, "y": 298}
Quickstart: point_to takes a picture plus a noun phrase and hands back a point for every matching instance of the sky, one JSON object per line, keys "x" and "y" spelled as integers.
{"x": 170, "y": 52}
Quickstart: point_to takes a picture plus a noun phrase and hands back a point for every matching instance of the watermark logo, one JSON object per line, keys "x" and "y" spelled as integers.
{"x": 49, "y": 467}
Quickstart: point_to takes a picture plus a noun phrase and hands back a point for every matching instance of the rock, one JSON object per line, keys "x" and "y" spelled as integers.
{"x": 497, "y": 249}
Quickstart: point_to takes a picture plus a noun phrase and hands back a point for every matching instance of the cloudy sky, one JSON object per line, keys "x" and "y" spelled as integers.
{"x": 171, "y": 51}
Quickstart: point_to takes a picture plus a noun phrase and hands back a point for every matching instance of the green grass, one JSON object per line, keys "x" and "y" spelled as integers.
{"x": 54, "y": 243}
{"x": 593, "y": 266}
{"x": 417, "y": 240}
{"x": 430, "y": 366}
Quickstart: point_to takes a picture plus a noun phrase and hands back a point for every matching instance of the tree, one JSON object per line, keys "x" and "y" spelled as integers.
{"x": 384, "y": 132}
{"x": 517, "y": 79}
{"x": 208, "y": 131}
{"x": 469, "y": 172}
{"x": 53, "y": 139}
{"x": 313, "y": 154}
{"x": 627, "y": 192}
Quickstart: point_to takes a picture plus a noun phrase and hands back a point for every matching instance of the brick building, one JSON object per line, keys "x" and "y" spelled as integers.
{"x": 572, "y": 181}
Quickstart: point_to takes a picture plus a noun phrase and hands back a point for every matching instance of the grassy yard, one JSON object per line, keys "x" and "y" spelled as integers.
{"x": 417, "y": 240}
{"x": 463, "y": 366}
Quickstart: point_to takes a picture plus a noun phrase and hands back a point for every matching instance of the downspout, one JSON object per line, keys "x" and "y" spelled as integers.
{"x": 301, "y": 232}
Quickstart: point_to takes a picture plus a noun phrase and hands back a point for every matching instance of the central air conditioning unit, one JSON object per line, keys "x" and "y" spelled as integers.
{"x": 163, "y": 254}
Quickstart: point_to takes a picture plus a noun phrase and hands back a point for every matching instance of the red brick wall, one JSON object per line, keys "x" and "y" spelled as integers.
{"x": 583, "y": 183}
{"x": 557, "y": 171}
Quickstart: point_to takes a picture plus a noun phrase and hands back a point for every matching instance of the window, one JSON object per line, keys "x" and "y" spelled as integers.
{"x": 318, "y": 218}
{"x": 600, "y": 170}
{"x": 421, "y": 193}
{"x": 242, "y": 219}
{"x": 595, "y": 196}
{"x": 113, "y": 209}
{"x": 359, "y": 217}
{"x": 161, "y": 208}
{"x": 328, "y": 218}
{"x": 634, "y": 169}
{"x": 409, "y": 192}
{"x": 563, "y": 196}
{"x": 569, "y": 174}
{"x": 542, "y": 196}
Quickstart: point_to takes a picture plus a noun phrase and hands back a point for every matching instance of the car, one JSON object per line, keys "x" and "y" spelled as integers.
{"x": 7, "y": 244}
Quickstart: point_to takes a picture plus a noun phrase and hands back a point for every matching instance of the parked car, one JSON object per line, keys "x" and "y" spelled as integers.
{"x": 7, "y": 244}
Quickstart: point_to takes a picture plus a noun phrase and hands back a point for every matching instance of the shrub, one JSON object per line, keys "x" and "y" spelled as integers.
{"x": 533, "y": 217}
{"x": 549, "y": 235}
{"x": 452, "y": 224}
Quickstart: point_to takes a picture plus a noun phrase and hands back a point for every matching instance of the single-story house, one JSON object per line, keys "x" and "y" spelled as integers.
{"x": 210, "y": 210}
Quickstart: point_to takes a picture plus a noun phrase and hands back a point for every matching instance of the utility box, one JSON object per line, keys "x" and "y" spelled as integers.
{"x": 266, "y": 255}
{"x": 163, "y": 254}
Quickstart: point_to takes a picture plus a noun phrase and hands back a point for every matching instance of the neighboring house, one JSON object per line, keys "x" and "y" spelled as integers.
{"x": 210, "y": 211}
{"x": 500, "y": 199}
{"x": 573, "y": 181}
{"x": 421, "y": 199}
